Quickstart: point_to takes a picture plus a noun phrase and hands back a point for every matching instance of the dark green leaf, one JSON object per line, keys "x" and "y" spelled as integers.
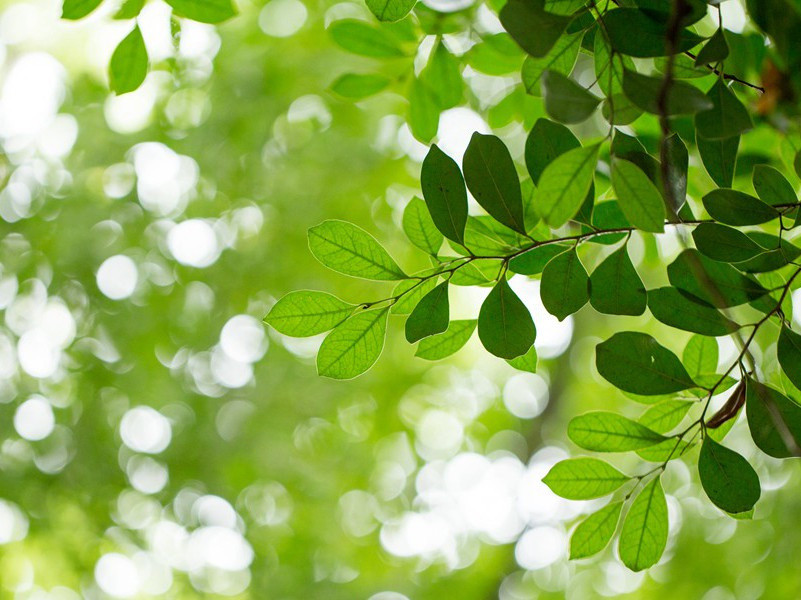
{"x": 636, "y": 363}
{"x": 615, "y": 286}
{"x": 535, "y": 30}
{"x": 774, "y": 420}
{"x": 128, "y": 66}
{"x": 678, "y": 161}
{"x": 491, "y": 177}
{"x": 564, "y": 185}
{"x": 725, "y": 244}
{"x": 610, "y": 432}
{"x": 565, "y": 285}
{"x": 645, "y": 528}
{"x": 430, "y": 316}
{"x": 445, "y": 194}
{"x": 361, "y": 38}
{"x": 727, "y": 117}
{"x": 419, "y": 227}
{"x": 561, "y": 59}
{"x": 584, "y": 478}
{"x": 390, "y": 10}
{"x": 444, "y": 344}
{"x": 409, "y": 292}
{"x": 205, "y": 11}
{"x": 565, "y": 100}
{"x": 505, "y": 326}
{"x": 633, "y": 33}
{"x": 350, "y": 250}
{"x": 638, "y": 197}
{"x": 772, "y": 187}
{"x": 355, "y": 86}
{"x": 737, "y": 208}
{"x": 729, "y": 481}
{"x": 719, "y": 158}
{"x": 354, "y": 346}
{"x": 78, "y": 9}
{"x": 789, "y": 352}
{"x": 714, "y": 51}
{"x": 307, "y": 312}
{"x": 594, "y": 533}
{"x": 546, "y": 142}
{"x": 671, "y": 307}
{"x": 682, "y": 98}
{"x": 533, "y": 261}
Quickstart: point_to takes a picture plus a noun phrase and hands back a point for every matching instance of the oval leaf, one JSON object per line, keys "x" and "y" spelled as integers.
{"x": 430, "y": 316}
{"x": 594, "y": 533}
{"x": 610, "y": 432}
{"x": 584, "y": 478}
{"x": 128, "y": 66}
{"x": 505, "y": 326}
{"x": 638, "y": 197}
{"x": 445, "y": 194}
{"x": 354, "y": 346}
{"x": 615, "y": 286}
{"x": 565, "y": 285}
{"x": 444, "y": 344}
{"x": 307, "y": 312}
{"x": 564, "y": 184}
{"x": 729, "y": 481}
{"x": 645, "y": 528}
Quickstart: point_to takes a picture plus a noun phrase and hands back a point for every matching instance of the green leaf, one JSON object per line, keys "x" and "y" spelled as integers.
{"x": 564, "y": 184}
{"x": 638, "y": 197}
{"x": 560, "y": 59}
{"x": 610, "y": 432}
{"x": 678, "y": 161}
{"x": 203, "y": 11}
{"x": 789, "y": 353}
{"x": 669, "y": 449}
{"x": 390, "y": 10}
{"x": 128, "y": 66}
{"x": 129, "y": 9}
{"x": 565, "y": 100}
{"x": 778, "y": 254}
{"x": 443, "y": 77}
{"x": 774, "y": 420}
{"x": 361, "y": 38}
{"x": 78, "y": 9}
{"x": 409, "y": 292}
{"x": 737, "y": 208}
{"x": 700, "y": 355}
{"x": 725, "y": 244}
{"x": 636, "y": 363}
{"x": 355, "y": 86}
{"x": 546, "y": 142}
{"x": 714, "y": 51}
{"x": 633, "y": 33}
{"x": 419, "y": 228}
{"x": 671, "y": 307}
{"x": 491, "y": 177}
{"x": 354, "y": 346}
{"x": 594, "y": 533}
{"x": 348, "y": 249}
{"x": 430, "y": 316}
{"x": 584, "y": 478}
{"x": 682, "y": 99}
{"x": 527, "y": 362}
{"x": 719, "y": 158}
{"x": 564, "y": 7}
{"x": 645, "y": 528}
{"x": 444, "y": 344}
{"x": 423, "y": 116}
{"x": 535, "y": 30}
{"x": 307, "y": 312}
{"x": 609, "y": 74}
{"x": 445, "y": 194}
{"x": 615, "y": 286}
{"x": 713, "y": 282}
{"x": 533, "y": 261}
{"x": 667, "y": 415}
{"x": 505, "y": 326}
{"x": 727, "y": 478}
{"x": 772, "y": 187}
{"x": 727, "y": 117}
{"x": 565, "y": 285}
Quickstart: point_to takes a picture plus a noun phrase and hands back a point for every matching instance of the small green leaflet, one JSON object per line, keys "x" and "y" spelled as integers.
{"x": 491, "y": 177}
{"x": 356, "y": 86}
{"x": 615, "y": 286}
{"x": 445, "y": 194}
{"x": 307, "y": 312}
{"x": 644, "y": 92}
{"x": 633, "y": 33}
{"x": 772, "y": 187}
{"x": 354, "y": 346}
{"x": 638, "y": 197}
{"x": 430, "y": 316}
{"x": 719, "y": 158}
{"x": 565, "y": 100}
{"x": 714, "y": 51}
{"x": 207, "y": 11}
{"x": 725, "y": 244}
{"x": 564, "y": 184}
{"x": 729, "y": 481}
{"x": 527, "y": 362}
{"x": 645, "y": 528}
{"x": 700, "y": 355}
{"x": 505, "y": 326}
{"x": 636, "y": 363}
{"x": 547, "y": 141}
{"x": 727, "y": 117}
{"x": 561, "y": 59}
{"x": 535, "y": 30}
{"x": 774, "y": 420}
{"x": 78, "y": 9}
{"x": 348, "y": 249}
{"x": 584, "y": 478}
{"x": 128, "y": 66}
{"x": 671, "y": 307}
{"x": 390, "y": 10}
{"x": 789, "y": 353}
{"x": 361, "y": 38}
{"x": 594, "y": 533}
{"x": 610, "y": 432}
{"x": 737, "y": 208}
{"x": 444, "y": 344}
{"x": 419, "y": 228}
{"x": 667, "y": 415}
{"x": 565, "y": 285}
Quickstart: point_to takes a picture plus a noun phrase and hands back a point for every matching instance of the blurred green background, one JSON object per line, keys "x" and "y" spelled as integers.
{"x": 159, "y": 442}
